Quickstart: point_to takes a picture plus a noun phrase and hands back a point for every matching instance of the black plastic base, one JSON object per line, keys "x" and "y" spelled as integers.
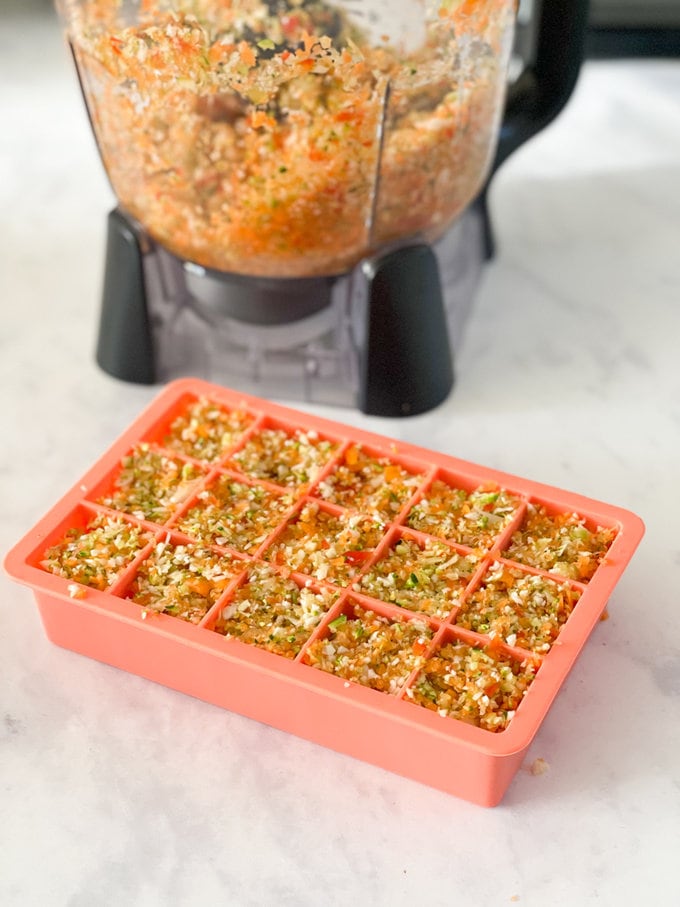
{"x": 407, "y": 361}
{"x": 125, "y": 346}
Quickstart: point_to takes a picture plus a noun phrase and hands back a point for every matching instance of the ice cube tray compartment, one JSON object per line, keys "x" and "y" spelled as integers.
{"x": 273, "y": 610}
{"x": 266, "y": 560}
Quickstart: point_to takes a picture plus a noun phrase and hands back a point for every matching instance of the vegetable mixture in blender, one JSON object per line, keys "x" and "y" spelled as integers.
{"x": 291, "y": 138}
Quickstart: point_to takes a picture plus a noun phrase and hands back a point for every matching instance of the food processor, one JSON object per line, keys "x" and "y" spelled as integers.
{"x": 301, "y": 184}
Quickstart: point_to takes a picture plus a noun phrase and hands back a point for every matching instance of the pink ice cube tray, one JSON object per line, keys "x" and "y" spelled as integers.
{"x": 399, "y": 605}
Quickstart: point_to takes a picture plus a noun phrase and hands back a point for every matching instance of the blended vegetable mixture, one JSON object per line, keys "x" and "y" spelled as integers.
{"x": 273, "y": 137}
{"x": 307, "y": 547}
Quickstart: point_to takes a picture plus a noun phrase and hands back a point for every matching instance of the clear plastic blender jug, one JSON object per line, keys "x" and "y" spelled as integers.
{"x": 278, "y": 147}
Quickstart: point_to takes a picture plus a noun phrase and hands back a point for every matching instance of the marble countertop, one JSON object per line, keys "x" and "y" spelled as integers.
{"x": 116, "y": 791}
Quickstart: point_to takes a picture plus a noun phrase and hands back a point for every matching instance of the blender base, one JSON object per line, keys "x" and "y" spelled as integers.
{"x": 380, "y": 338}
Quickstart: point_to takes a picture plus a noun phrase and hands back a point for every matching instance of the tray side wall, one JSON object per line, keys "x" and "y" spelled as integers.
{"x": 300, "y": 709}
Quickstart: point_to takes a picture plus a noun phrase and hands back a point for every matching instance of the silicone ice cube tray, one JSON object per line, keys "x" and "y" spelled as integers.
{"x": 395, "y": 604}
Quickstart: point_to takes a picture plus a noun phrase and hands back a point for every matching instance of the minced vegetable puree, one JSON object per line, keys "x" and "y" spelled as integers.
{"x": 271, "y": 137}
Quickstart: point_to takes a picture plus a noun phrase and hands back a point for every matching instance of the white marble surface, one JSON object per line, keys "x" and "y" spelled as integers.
{"x": 116, "y": 791}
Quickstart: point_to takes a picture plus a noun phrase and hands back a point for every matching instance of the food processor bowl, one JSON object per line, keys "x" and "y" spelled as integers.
{"x": 292, "y": 177}
{"x": 291, "y": 138}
